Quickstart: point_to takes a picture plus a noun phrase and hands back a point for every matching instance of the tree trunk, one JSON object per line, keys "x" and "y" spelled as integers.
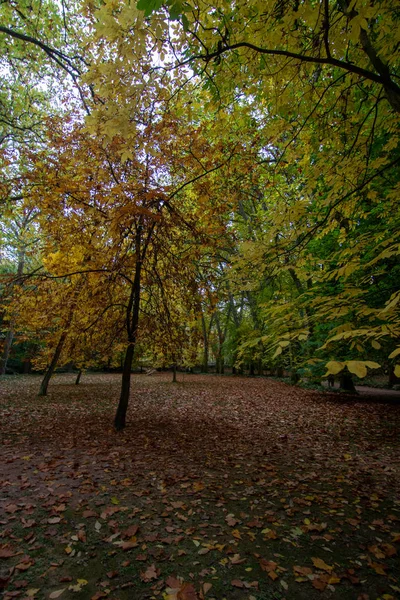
{"x": 205, "y": 345}
{"x": 294, "y": 377}
{"x": 120, "y": 417}
{"x": 393, "y": 380}
{"x": 78, "y": 377}
{"x": 10, "y": 333}
{"x": 7, "y": 348}
{"x": 47, "y": 376}
{"x": 132, "y": 323}
{"x": 174, "y": 374}
{"x": 347, "y": 383}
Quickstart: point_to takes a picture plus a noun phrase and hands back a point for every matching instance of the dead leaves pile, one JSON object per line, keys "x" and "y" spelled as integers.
{"x": 219, "y": 487}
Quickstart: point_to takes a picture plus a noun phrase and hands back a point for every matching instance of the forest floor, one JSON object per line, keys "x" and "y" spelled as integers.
{"x": 219, "y": 487}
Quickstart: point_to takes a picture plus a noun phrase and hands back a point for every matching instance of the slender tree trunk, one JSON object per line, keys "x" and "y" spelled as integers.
{"x": 47, "y": 376}
{"x": 132, "y": 322}
{"x": 174, "y": 374}
{"x": 347, "y": 383}
{"x": 78, "y": 377}
{"x": 205, "y": 345}
{"x": 10, "y": 333}
{"x": 393, "y": 380}
{"x": 7, "y": 348}
{"x": 120, "y": 417}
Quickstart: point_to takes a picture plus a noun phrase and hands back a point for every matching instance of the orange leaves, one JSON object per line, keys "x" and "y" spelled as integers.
{"x": 302, "y": 571}
{"x": 269, "y": 534}
{"x": 270, "y": 568}
{"x": 321, "y": 564}
{"x": 236, "y": 534}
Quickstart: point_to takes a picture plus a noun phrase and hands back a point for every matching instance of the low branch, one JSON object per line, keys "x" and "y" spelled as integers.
{"x": 391, "y": 88}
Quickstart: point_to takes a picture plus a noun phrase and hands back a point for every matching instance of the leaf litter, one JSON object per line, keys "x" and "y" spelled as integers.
{"x": 219, "y": 487}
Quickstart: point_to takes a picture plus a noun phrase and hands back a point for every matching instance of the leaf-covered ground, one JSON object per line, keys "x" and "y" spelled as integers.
{"x": 219, "y": 487}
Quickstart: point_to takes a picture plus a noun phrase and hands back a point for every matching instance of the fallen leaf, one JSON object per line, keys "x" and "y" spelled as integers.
{"x": 23, "y": 566}
{"x": 99, "y": 595}
{"x": 206, "y": 587}
{"x": 130, "y": 532}
{"x": 151, "y": 573}
{"x": 302, "y": 570}
{"x": 321, "y": 564}
{"x": 7, "y": 552}
{"x": 57, "y": 594}
{"x": 236, "y": 534}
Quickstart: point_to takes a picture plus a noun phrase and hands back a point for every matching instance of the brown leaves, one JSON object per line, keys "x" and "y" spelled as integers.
{"x": 244, "y": 584}
{"x": 127, "y": 545}
{"x": 151, "y": 573}
{"x": 7, "y": 551}
{"x": 305, "y": 503}
{"x": 130, "y": 532}
{"x": 269, "y": 566}
{"x": 231, "y": 521}
{"x": 303, "y": 571}
{"x": 179, "y": 590}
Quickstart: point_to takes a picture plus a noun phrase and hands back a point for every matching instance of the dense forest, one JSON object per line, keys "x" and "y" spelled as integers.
{"x": 191, "y": 184}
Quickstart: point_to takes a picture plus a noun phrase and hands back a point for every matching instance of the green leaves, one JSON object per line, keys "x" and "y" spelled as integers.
{"x": 176, "y": 9}
{"x": 149, "y": 6}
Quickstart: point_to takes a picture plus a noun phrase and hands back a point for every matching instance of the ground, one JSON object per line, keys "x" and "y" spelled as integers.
{"x": 219, "y": 487}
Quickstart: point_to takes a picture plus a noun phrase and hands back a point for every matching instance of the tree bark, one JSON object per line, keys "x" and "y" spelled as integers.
{"x": 347, "y": 383}
{"x": 78, "y": 377}
{"x": 10, "y": 333}
{"x": 47, "y": 376}
{"x": 206, "y": 335}
{"x": 132, "y": 323}
{"x": 393, "y": 380}
{"x": 120, "y": 417}
{"x": 6, "y": 350}
{"x": 174, "y": 374}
